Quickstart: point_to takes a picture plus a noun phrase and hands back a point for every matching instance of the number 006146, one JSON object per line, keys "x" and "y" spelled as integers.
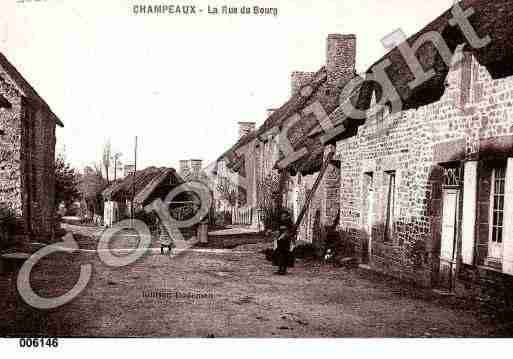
{"x": 39, "y": 342}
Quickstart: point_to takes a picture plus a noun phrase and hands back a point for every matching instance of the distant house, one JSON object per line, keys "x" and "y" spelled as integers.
{"x": 27, "y": 154}
{"x": 143, "y": 187}
{"x": 234, "y": 201}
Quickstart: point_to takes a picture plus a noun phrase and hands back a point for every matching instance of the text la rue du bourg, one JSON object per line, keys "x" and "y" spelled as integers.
{"x": 187, "y": 10}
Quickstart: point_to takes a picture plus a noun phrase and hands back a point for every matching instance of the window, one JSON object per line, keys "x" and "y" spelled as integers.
{"x": 390, "y": 180}
{"x": 497, "y": 220}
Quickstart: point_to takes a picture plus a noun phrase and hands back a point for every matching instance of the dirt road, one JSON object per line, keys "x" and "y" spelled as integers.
{"x": 234, "y": 294}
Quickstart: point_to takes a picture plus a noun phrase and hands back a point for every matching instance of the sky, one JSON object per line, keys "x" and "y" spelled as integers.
{"x": 181, "y": 83}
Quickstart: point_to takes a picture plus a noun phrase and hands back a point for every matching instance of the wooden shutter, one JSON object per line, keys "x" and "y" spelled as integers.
{"x": 469, "y": 212}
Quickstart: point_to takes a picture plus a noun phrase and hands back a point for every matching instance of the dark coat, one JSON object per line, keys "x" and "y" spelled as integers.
{"x": 283, "y": 256}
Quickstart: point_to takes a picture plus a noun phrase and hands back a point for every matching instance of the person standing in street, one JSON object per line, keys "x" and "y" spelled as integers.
{"x": 165, "y": 239}
{"x": 283, "y": 256}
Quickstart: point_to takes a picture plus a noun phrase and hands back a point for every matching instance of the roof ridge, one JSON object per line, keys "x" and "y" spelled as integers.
{"x": 26, "y": 87}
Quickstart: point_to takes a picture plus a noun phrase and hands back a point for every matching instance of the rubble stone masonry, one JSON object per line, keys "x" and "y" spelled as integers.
{"x": 10, "y": 146}
{"x": 27, "y": 155}
{"x": 474, "y": 115}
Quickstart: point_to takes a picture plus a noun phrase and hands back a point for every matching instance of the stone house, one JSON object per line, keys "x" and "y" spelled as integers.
{"x": 324, "y": 88}
{"x": 27, "y": 155}
{"x": 258, "y": 152}
{"x": 426, "y": 192}
{"x": 232, "y": 198}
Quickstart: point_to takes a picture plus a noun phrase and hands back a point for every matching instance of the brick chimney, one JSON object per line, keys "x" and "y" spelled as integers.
{"x": 299, "y": 79}
{"x": 245, "y": 128}
{"x": 340, "y": 58}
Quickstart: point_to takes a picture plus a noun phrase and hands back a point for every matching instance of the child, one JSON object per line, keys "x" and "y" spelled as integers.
{"x": 165, "y": 239}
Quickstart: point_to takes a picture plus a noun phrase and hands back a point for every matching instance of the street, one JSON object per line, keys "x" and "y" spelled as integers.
{"x": 234, "y": 293}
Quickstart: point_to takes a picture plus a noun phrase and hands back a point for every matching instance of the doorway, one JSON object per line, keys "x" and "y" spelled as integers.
{"x": 448, "y": 245}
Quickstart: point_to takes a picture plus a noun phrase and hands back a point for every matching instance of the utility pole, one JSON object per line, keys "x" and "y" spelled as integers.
{"x": 132, "y": 212}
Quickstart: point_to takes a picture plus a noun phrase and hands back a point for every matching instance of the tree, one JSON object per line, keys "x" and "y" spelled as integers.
{"x": 66, "y": 183}
{"x": 229, "y": 191}
{"x": 269, "y": 199}
{"x": 91, "y": 186}
{"x": 106, "y": 158}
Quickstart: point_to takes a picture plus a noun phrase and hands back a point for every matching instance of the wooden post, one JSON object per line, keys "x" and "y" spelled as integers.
{"x": 132, "y": 211}
{"x": 310, "y": 196}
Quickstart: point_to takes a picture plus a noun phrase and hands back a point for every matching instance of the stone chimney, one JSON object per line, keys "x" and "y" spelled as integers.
{"x": 128, "y": 169}
{"x": 196, "y": 166}
{"x": 184, "y": 167}
{"x": 245, "y": 128}
{"x": 340, "y": 58}
{"x": 299, "y": 79}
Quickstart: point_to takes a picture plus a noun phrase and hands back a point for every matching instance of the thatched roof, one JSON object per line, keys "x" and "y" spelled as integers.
{"x": 231, "y": 154}
{"x": 328, "y": 95}
{"x": 167, "y": 177}
{"x": 292, "y": 106}
{"x": 125, "y": 188}
{"x": 295, "y": 104}
{"x": 343, "y": 125}
{"x": 27, "y": 90}
{"x": 490, "y": 18}
{"x": 150, "y": 184}
{"x": 299, "y": 134}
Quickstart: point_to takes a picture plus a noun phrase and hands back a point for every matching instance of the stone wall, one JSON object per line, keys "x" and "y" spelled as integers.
{"x": 27, "y": 160}
{"x": 10, "y": 146}
{"x": 413, "y": 144}
{"x": 45, "y": 174}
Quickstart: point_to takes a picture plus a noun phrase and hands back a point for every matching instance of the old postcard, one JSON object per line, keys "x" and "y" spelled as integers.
{"x": 255, "y": 169}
